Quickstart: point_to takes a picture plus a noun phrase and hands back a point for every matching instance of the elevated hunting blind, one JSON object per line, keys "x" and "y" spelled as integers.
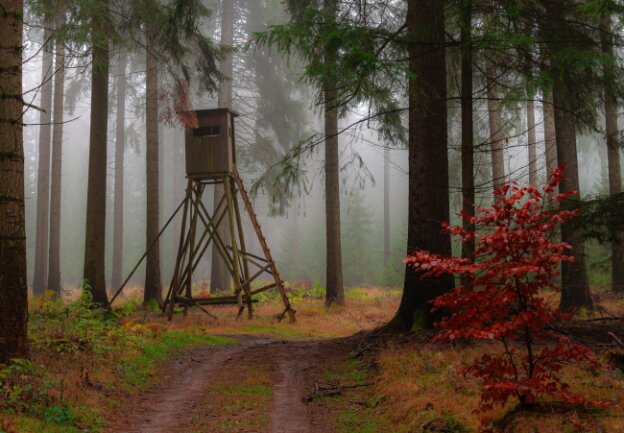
{"x": 210, "y": 146}
{"x": 211, "y": 161}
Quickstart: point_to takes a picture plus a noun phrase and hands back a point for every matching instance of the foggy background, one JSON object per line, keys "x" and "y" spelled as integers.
{"x": 277, "y": 110}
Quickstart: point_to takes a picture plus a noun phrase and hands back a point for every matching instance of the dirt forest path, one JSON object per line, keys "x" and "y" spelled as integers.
{"x": 254, "y": 386}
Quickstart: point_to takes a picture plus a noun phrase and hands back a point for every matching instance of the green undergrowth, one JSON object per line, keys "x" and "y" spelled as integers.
{"x": 295, "y": 294}
{"x": 298, "y": 294}
{"x": 279, "y": 330}
{"x": 285, "y": 331}
{"x": 56, "y": 419}
{"x": 362, "y": 421}
{"x": 354, "y": 407}
{"x": 80, "y": 356}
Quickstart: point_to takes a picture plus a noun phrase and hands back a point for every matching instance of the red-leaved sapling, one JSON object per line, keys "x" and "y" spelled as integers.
{"x": 516, "y": 262}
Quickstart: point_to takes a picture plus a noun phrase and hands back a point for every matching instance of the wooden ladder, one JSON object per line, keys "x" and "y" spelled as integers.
{"x": 265, "y": 247}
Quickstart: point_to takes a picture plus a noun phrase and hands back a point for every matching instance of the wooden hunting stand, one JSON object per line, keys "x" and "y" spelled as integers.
{"x": 211, "y": 160}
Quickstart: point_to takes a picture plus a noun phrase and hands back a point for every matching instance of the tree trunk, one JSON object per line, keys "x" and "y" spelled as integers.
{"x": 43, "y": 170}
{"x": 497, "y": 139}
{"x": 550, "y": 135}
{"x": 333, "y": 278}
{"x": 219, "y": 275}
{"x": 574, "y": 280}
{"x": 95, "y": 236}
{"x": 532, "y": 141}
{"x": 120, "y": 149}
{"x": 54, "y": 256}
{"x": 13, "y": 285}
{"x": 613, "y": 151}
{"x": 333, "y": 282}
{"x": 178, "y": 184}
{"x": 386, "y": 198}
{"x": 467, "y": 144}
{"x": 428, "y": 160}
{"x": 153, "y": 285}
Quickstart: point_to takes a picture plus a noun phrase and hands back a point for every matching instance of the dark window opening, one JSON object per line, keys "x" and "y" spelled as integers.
{"x": 207, "y": 131}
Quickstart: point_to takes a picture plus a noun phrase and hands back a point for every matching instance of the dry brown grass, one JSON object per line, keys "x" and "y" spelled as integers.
{"x": 420, "y": 382}
{"x": 414, "y": 383}
{"x": 366, "y": 309}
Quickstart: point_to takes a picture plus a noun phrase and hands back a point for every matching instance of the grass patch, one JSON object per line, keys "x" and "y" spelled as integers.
{"x": 244, "y": 390}
{"x": 137, "y": 369}
{"x": 359, "y": 422}
{"x": 421, "y": 385}
{"x": 240, "y": 407}
{"x": 278, "y": 330}
{"x": 354, "y": 409}
{"x": 56, "y": 419}
{"x": 80, "y": 357}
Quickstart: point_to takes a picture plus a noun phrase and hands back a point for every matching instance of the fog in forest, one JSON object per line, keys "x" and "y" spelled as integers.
{"x": 278, "y": 110}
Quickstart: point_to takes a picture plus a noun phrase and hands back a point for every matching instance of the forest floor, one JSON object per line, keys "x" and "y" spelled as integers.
{"x": 258, "y": 384}
{"x": 333, "y": 371}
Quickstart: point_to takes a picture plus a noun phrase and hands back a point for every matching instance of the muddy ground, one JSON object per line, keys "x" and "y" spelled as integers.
{"x": 258, "y": 385}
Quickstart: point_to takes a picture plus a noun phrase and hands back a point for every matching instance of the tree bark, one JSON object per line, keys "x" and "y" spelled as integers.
{"x": 574, "y": 280}
{"x": 550, "y": 135}
{"x": 13, "y": 285}
{"x": 43, "y": 171}
{"x": 334, "y": 288}
{"x": 120, "y": 149}
{"x": 219, "y": 275}
{"x": 178, "y": 183}
{"x": 153, "y": 285}
{"x": 613, "y": 150}
{"x": 531, "y": 140}
{"x": 54, "y": 256}
{"x": 95, "y": 236}
{"x": 428, "y": 160}
{"x": 467, "y": 144}
{"x": 497, "y": 139}
{"x": 386, "y": 198}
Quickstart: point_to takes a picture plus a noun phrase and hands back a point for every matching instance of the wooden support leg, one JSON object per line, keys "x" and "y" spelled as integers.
{"x": 199, "y": 189}
{"x": 236, "y": 258}
{"x": 170, "y": 301}
{"x": 265, "y": 248}
{"x": 241, "y": 236}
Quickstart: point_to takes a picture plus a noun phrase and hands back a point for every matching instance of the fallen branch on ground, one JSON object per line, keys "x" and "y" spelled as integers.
{"x": 616, "y": 339}
{"x": 321, "y": 390}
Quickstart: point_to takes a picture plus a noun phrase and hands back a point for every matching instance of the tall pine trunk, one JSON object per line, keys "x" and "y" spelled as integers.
{"x": 386, "y": 199}
{"x": 54, "y": 256}
{"x": 497, "y": 139}
{"x": 120, "y": 149}
{"x": 13, "y": 285}
{"x": 613, "y": 151}
{"x": 333, "y": 277}
{"x": 219, "y": 275}
{"x": 95, "y": 236}
{"x": 467, "y": 143}
{"x": 531, "y": 140}
{"x": 574, "y": 279}
{"x": 153, "y": 285}
{"x": 550, "y": 135}
{"x": 428, "y": 159}
{"x": 530, "y": 119}
{"x": 43, "y": 171}
{"x": 178, "y": 183}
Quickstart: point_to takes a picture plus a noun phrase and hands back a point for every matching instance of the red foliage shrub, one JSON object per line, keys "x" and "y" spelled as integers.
{"x": 515, "y": 259}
